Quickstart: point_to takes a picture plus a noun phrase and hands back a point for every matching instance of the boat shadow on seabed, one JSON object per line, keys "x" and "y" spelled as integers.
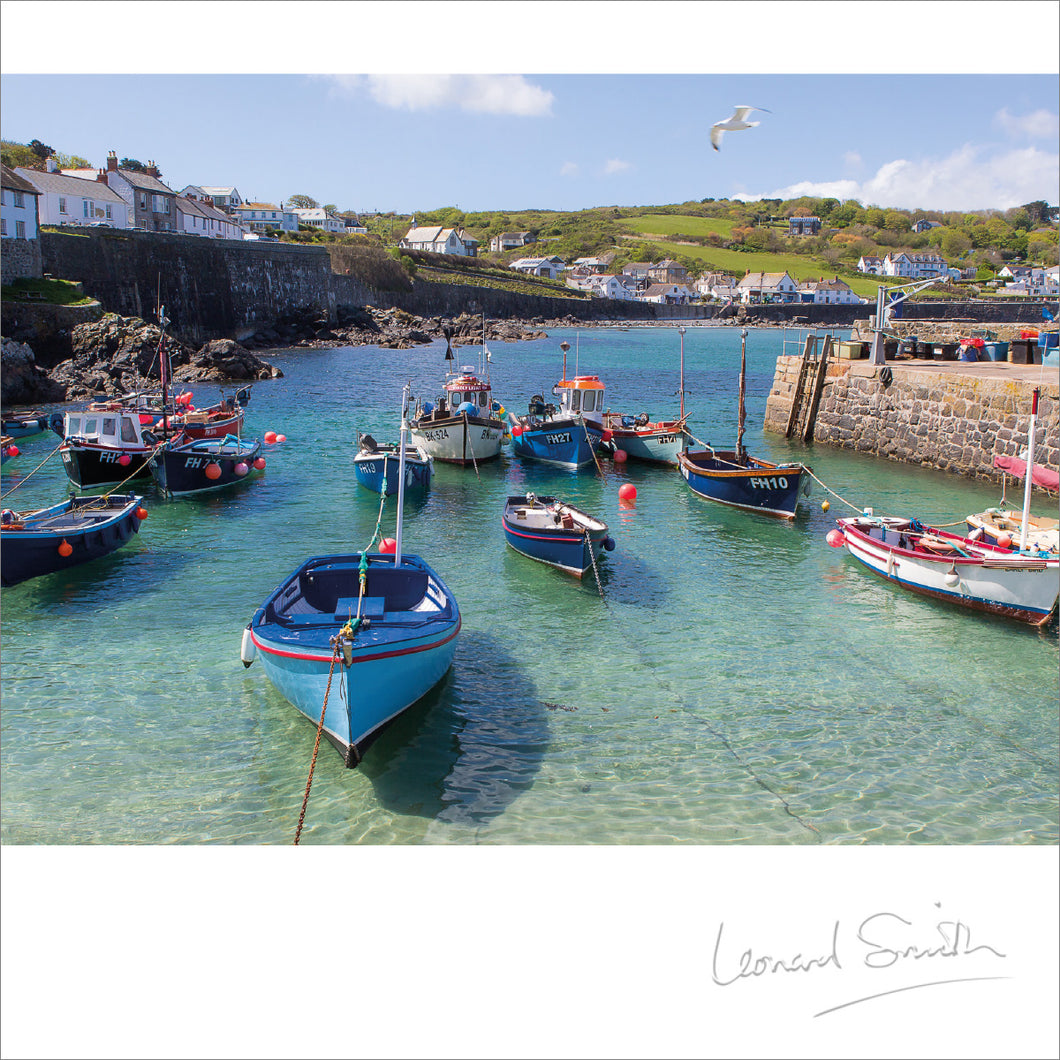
{"x": 470, "y": 747}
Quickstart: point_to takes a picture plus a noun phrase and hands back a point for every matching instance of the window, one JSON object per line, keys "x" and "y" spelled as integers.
{"x": 62, "y": 204}
{"x": 590, "y": 400}
{"x": 3, "y": 226}
{"x": 110, "y": 426}
{"x": 20, "y": 229}
{"x": 91, "y": 426}
{"x": 20, "y": 199}
{"x": 128, "y": 431}
{"x": 86, "y": 208}
{"x": 575, "y": 400}
{"x": 108, "y": 211}
{"x": 143, "y": 200}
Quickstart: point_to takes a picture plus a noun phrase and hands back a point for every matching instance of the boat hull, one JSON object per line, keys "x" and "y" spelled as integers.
{"x": 89, "y": 464}
{"x": 566, "y": 443}
{"x": 373, "y": 468}
{"x": 23, "y": 426}
{"x": 757, "y": 486}
{"x": 659, "y": 443}
{"x": 393, "y": 660}
{"x": 93, "y": 527}
{"x": 572, "y": 544}
{"x": 182, "y": 470}
{"x": 459, "y": 439}
{"x": 955, "y": 569}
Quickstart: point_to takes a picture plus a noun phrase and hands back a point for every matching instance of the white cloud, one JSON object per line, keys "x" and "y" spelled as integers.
{"x": 615, "y": 165}
{"x": 968, "y": 179}
{"x": 851, "y": 159}
{"x": 1038, "y": 125}
{"x": 478, "y": 93}
{"x": 569, "y": 169}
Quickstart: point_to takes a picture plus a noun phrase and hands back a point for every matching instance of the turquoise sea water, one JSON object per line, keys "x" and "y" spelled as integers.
{"x": 739, "y": 682}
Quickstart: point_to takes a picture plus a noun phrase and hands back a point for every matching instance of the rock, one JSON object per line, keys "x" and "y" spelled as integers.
{"x": 22, "y": 380}
{"x": 225, "y": 360}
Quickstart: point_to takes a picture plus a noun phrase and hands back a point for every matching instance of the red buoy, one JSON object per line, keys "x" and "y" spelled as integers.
{"x": 621, "y": 456}
{"x": 516, "y": 431}
{"x": 13, "y": 450}
{"x": 627, "y": 491}
{"x": 270, "y": 437}
{"x": 213, "y": 471}
{"x": 259, "y": 462}
{"x": 65, "y": 548}
{"x": 141, "y": 513}
{"x": 388, "y": 544}
{"x": 835, "y": 538}
{"x": 125, "y": 460}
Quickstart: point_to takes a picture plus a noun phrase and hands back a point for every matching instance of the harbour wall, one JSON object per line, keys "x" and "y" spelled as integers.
{"x": 950, "y": 421}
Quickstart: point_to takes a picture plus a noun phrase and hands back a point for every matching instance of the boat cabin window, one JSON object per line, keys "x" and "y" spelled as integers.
{"x": 575, "y": 399}
{"x": 110, "y": 426}
{"x": 128, "y": 431}
{"x": 590, "y": 400}
{"x": 482, "y": 398}
{"x": 73, "y": 425}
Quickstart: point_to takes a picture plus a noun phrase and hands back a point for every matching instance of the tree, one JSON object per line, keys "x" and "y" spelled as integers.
{"x": 302, "y": 202}
{"x": 65, "y": 161}
{"x": 1038, "y": 212}
{"x": 133, "y": 164}
{"x": 42, "y": 151}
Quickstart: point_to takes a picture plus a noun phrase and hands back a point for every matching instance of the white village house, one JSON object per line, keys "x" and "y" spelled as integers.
{"x": 510, "y": 241}
{"x": 261, "y": 217}
{"x": 550, "y": 268}
{"x": 19, "y": 227}
{"x": 66, "y": 200}
{"x": 667, "y": 294}
{"x": 758, "y": 287}
{"x": 915, "y": 266}
{"x": 438, "y": 240}
{"x": 828, "y": 292}
{"x": 318, "y": 217}
{"x": 199, "y": 217}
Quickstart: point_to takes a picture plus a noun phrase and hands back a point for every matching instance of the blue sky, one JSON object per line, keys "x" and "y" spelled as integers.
{"x": 425, "y": 119}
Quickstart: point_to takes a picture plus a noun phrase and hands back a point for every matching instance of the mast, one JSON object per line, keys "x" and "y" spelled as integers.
{"x": 401, "y": 473}
{"x": 163, "y": 368}
{"x": 564, "y": 346}
{"x": 1030, "y": 471}
{"x": 743, "y": 377}
{"x": 681, "y": 332}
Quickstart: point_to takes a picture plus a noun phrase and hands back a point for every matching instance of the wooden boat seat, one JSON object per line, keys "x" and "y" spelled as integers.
{"x": 371, "y": 607}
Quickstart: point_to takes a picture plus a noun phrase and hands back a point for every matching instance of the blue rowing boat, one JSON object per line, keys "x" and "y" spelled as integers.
{"x": 555, "y": 533}
{"x": 66, "y": 535}
{"x": 375, "y": 462}
{"x": 353, "y": 640}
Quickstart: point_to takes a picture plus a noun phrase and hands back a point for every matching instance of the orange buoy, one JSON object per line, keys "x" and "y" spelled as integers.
{"x": 213, "y": 471}
{"x": 270, "y": 437}
{"x": 259, "y": 462}
{"x": 141, "y": 513}
{"x": 65, "y": 548}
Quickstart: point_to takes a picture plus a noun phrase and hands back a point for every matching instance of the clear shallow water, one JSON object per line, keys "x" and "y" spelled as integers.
{"x": 740, "y": 682}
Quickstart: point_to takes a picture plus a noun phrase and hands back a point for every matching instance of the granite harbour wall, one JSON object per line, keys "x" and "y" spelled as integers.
{"x": 953, "y": 422}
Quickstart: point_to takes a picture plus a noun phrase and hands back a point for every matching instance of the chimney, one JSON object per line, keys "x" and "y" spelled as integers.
{"x": 51, "y": 165}
{"x": 112, "y": 162}
{"x": 152, "y": 169}
{"x": 101, "y": 176}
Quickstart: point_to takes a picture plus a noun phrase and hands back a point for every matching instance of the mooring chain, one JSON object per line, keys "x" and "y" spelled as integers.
{"x": 467, "y": 431}
{"x": 316, "y": 745}
{"x": 596, "y": 573}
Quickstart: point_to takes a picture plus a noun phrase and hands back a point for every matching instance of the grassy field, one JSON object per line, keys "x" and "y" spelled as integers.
{"x": 52, "y": 292}
{"x": 661, "y": 224}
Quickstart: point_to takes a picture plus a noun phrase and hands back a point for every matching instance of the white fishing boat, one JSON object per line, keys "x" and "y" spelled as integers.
{"x": 464, "y": 425}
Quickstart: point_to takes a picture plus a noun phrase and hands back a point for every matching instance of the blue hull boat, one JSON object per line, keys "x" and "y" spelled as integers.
{"x": 205, "y": 464}
{"x": 555, "y": 533}
{"x": 381, "y": 644}
{"x": 564, "y": 442}
{"x": 374, "y": 463}
{"x": 744, "y": 481}
{"x": 24, "y": 425}
{"x": 65, "y": 535}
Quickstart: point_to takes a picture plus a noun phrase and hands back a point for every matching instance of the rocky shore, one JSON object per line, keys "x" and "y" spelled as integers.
{"x": 118, "y": 354}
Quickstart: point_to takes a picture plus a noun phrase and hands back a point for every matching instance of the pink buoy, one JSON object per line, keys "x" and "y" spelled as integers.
{"x": 388, "y": 544}
{"x": 241, "y": 468}
{"x": 259, "y": 463}
{"x": 627, "y": 491}
{"x": 270, "y": 437}
{"x": 212, "y": 471}
{"x": 835, "y": 538}
{"x": 621, "y": 456}
{"x": 125, "y": 460}
{"x": 1004, "y": 540}
{"x": 281, "y": 437}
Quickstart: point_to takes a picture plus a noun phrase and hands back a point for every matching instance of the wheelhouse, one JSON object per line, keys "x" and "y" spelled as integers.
{"x": 107, "y": 426}
{"x": 467, "y": 387}
{"x": 582, "y": 396}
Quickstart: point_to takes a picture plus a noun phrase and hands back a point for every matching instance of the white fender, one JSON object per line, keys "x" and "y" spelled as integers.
{"x": 248, "y": 649}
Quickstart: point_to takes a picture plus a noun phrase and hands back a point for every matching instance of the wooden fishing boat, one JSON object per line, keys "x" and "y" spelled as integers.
{"x": 354, "y": 640}
{"x": 198, "y": 465}
{"x": 66, "y": 535}
{"x": 23, "y": 424}
{"x": 376, "y": 463}
{"x": 554, "y": 532}
{"x": 951, "y": 567}
{"x": 735, "y": 478}
{"x": 642, "y": 438}
{"x": 465, "y": 426}
{"x": 566, "y": 435}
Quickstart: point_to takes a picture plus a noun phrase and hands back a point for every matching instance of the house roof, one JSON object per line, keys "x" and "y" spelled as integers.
{"x": 63, "y": 185}
{"x": 763, "y": 279}
{"x": 145, "y": 182}
{"x": 257, "y": 206}
{"x": 425, "y": 234}
{"x": 10, "y": 179}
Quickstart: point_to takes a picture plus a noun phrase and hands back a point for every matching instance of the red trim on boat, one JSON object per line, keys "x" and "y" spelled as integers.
{"x": 357, "y": 658}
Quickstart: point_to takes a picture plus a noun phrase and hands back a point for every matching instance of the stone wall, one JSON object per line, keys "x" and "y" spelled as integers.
{"x": 952, "y": 422}
{"x": 20, "y": 259}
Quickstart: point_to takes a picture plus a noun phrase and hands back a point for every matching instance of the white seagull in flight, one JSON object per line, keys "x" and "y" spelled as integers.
{"x": 736, "y": 122}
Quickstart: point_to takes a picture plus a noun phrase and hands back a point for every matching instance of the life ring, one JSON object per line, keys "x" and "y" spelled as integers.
{"x": 886, "y": 376}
